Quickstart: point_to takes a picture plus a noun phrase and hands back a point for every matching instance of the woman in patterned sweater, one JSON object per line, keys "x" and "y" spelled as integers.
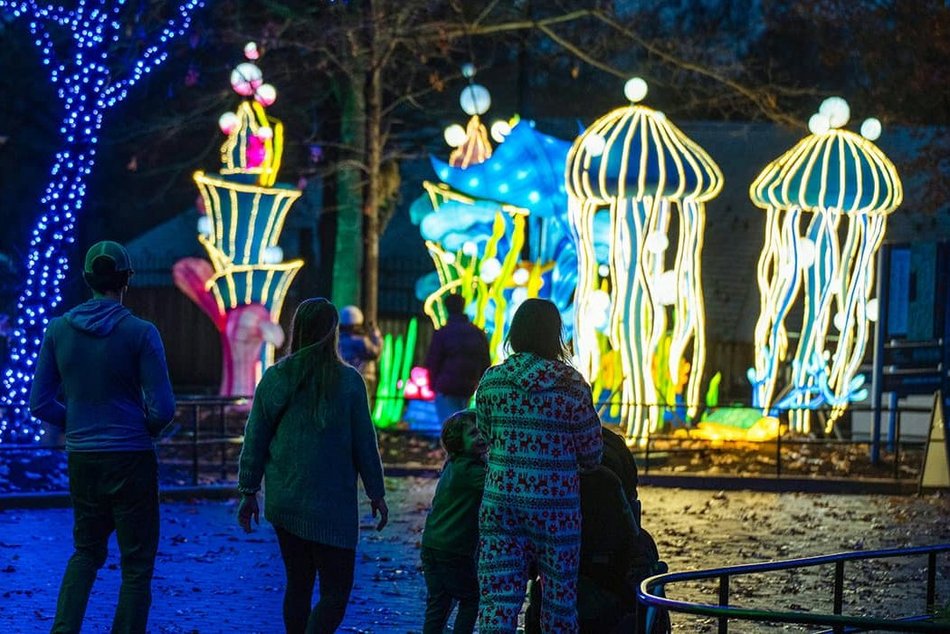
{"x": 538, "y": 416}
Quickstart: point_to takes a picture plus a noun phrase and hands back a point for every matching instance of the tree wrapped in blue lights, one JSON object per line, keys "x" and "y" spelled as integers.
{"x": 78, "y": 43}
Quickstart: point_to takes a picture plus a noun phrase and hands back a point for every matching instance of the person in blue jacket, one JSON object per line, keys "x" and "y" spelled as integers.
{"x": 109, "y": 366}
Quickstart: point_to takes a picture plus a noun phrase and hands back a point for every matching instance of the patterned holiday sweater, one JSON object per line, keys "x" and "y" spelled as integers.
{"x": 540, "y": 421}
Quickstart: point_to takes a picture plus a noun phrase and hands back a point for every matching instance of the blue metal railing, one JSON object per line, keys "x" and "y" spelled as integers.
{"x": 653, "y": 589}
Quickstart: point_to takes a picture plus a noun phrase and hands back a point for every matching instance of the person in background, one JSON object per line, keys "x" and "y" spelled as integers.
{"x": 360, "y": 346}
{"x": 309, "y": 436}
{"x": 450, "y": 538}
{"x": 542, "y": 429}
{"x": 457, "y": 358}
{"x": 116, "y": 398}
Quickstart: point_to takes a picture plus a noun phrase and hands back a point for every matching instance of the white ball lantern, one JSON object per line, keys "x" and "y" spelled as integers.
{"x": 265, "y": 95}
{"x": 598, "y": 310}
{"x": 499, "y": 130}
{"x": 871, "y": 129}
{"x": 468, "y": 70}
{"x": 265, "y": 132}
{"x": 667, "y": 288}
{"x": 657, "y": 242}
{"x": 455, "y": 135}
{"x": 273, "y": 255}
{"x": 595, "y": 144}
{"x": 250, "y": 51}
{"x": 489, "y": 270}
{"x": 518, "y": 296}
{"x": 246, "y": 78}
{"x": 600, "y": 300}
{"x": 204, "y": 225}
{"x": 635, "y": 89}
{"x": 475, "y": 99}
{"x": 837, "y": 110}
{"x": 819, "y": 123}
{"x": 520, "y": 277}
{"x": 228, "y": 122}
{"x": 806, "y": 253}
{"x": 470, "y": 248}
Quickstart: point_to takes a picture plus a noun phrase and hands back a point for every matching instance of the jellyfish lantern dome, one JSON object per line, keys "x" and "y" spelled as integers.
{"x": 826, "y": 201}
{"x": 636, "y": 170}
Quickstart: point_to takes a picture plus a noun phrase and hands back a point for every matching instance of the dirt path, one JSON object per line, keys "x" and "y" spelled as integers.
{"x": 212, "y": 578}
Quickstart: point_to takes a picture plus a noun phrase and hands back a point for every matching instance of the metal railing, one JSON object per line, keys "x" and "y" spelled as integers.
{"x": 898, "y": 447}
{"x": 203, "y": 443}
{"x": 222, "y": 432}
{"x": 652, "y": 594}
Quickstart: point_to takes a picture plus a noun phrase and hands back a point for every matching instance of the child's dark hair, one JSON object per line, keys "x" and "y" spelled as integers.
{"x": 453, "y": 431}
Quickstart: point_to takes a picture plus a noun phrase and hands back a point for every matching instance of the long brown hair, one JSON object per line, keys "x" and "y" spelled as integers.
{"x": 314, "y": 337}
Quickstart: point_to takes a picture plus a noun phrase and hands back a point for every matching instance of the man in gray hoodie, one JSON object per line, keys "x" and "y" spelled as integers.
{"x": 101, "y": 377}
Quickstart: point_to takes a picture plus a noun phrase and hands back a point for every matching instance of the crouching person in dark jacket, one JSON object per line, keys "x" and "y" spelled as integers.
{"x": 110, "y": 366}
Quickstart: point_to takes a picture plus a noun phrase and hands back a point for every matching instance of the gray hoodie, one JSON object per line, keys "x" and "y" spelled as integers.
{"x": 109, "y": 366}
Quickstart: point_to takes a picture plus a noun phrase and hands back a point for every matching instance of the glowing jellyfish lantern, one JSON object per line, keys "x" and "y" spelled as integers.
{"x": 651, "y": 181}
{"x": 826, "y": 201}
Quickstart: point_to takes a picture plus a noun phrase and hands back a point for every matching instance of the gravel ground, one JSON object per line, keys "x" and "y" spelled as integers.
{"x": 211, "y": 578}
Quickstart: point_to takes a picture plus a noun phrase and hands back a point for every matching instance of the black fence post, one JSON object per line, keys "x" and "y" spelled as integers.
{"x": 646, "y": 453}
{"x": 778, "y": 450}
{"x": 194, "y": 444}
{"x": 724, "y": 602}
{"x": 897, "y": 446}
{"x": 839, "y": 593}
{"x": 931, "y": 581}
{"x": 224, "y": 447}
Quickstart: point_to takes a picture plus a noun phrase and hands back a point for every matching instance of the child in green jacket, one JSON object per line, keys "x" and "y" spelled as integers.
{"x": 450, "y": 538}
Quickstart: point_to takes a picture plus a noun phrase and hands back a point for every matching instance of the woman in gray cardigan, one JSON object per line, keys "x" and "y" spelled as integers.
{"x": 310, "y": 435}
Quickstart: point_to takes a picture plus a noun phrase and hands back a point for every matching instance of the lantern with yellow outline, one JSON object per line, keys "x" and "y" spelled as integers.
{"x": 476, "y": 221}
{"x": 635, "y": 171}
{"x": 827, "y": 201}
{"x": 243, "y": 288}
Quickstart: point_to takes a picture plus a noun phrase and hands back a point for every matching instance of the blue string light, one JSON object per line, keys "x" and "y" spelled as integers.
{"x": 87, "y": 84}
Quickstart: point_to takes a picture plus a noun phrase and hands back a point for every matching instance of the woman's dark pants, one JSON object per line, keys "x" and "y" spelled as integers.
{"x": 111, "y": 491}
{"x": 303, "y": 561}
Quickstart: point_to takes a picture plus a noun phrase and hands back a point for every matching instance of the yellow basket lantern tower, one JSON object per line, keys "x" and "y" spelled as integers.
{"x": 243, "y": 284}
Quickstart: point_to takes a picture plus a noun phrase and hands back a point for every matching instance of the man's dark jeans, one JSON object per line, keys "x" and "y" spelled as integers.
{"x": 303, "y": 561}
{"x": 111, "y": 491}
{"x": 449, "y": 578}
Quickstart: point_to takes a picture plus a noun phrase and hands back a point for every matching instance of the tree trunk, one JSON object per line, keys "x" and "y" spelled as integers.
{"x": 348, "y": 253}
{"x": 374, "y": 154}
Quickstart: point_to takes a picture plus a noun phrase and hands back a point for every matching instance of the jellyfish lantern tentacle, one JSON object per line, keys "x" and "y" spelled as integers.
{"x": 636, "y": 166}
{"x": 845, "y": 185}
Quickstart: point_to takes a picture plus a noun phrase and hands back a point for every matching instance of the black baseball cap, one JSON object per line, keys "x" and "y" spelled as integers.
{"x": 111, "y": 250}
